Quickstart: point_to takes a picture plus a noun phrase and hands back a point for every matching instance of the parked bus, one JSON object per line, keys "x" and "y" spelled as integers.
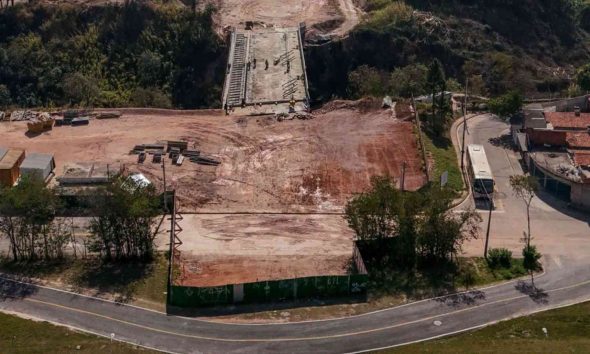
{"x": 480, "y": 173}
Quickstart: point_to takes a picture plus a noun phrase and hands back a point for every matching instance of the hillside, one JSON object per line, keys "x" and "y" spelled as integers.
{"x": 534, "y": 46}
{"x": 142, "y": 53}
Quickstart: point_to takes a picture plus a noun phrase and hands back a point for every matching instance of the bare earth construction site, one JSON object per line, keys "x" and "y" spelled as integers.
{"x": 268, "y": 202}
{"x": 267, "y": 166}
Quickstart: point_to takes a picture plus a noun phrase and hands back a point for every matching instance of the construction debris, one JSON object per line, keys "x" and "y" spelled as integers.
{"x": 290, "y": 116}
{"x": 18, "y": 116}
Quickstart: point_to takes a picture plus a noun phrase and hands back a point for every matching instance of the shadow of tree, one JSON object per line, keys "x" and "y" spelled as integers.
{"x": 503, "y": 141}
{"x": 11, "y": 290}
{"x": 467, "y": 298}
{"x": 536, "y": 294}
{"x": 117, "y": 277}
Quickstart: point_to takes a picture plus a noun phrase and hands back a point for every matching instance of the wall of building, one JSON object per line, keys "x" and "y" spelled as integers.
{"x": 551, "y": 137}
{"x": 580, "y": 195}
{"x": 568, "y": 105}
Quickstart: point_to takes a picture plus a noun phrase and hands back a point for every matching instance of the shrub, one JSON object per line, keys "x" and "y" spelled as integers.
{"x": 499, "y": 258}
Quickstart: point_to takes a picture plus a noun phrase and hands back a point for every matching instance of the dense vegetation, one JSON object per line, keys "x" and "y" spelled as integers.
{"x": 132, "y": 54}
{"x": 531, "y": 46}
{"x": 407, "y": 230}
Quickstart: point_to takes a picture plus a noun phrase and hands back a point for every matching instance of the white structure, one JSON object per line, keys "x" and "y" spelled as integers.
{"x": 39, "y": 165}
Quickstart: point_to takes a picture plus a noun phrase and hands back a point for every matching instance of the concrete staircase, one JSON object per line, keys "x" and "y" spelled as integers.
{"x": 237, "y": 79}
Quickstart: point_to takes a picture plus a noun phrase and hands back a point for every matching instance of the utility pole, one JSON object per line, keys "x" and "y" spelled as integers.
{"x": 403, "y": 181}
{"x": 464, "y": 128}
{"x": 491, "y": 201}
{"x": 165, "y": 189}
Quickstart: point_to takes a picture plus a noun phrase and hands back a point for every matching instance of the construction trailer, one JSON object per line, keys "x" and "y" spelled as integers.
{"x": 38, "y": 166}
{"x": 10, "y": 166}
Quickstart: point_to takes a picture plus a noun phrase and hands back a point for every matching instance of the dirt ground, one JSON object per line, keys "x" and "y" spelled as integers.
{"x": 309, "y": 166}
{"x": 266, "y": 165}
{"x": 230, "y": 249}
{"x": 289, "y": 13}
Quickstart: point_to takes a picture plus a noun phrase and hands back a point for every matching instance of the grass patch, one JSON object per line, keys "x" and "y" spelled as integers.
{"x": 443, "y": 153}
{"x": 139, "y": 282}
{"x": 25, "y": 336}
{"x": 568, "y": 332}
{"x": 441, "y": 280}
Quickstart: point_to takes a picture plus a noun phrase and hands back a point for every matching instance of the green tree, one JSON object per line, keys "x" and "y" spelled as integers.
{"x": 150, "y": 97}
{"x": 441, "y": 231}
{"x": 437, "y": 85}
{"x": 28, "y": 219}
{"x": 525, "y": 188}
{"x": 367, "y": 81}
{"x": 404, "y": 225}
{"x": 507, "y": 104}
{"x": 81, "y": 89}
{"x": 123, "y": 225}
{"x": 409, "y": 80}
{"x": 531, "y": 260}
{"x": 5, "y": 99}
{"x": 583, "y": 77}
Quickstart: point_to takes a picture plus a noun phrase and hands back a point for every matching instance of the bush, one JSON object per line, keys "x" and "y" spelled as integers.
{"x": 499, "y": 258}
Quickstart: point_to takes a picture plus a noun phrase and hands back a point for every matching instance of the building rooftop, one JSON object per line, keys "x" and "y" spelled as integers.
{"x": 11, "y": 158}
{"x": 567, "y": 120}
{"x": 36, "y": 160}
{"x": 534, "y": 119}
{"x": 578, "y": 140}
{"x": 581, "y": 158}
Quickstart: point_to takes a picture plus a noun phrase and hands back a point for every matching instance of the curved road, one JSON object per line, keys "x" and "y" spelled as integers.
{"x": 562, "y": 237}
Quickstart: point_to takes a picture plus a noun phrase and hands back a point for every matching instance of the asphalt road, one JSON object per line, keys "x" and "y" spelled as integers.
{"x": 563, "y": 238}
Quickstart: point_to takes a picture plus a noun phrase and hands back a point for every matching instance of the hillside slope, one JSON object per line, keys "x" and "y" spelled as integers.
{"x": 531, "y": 45}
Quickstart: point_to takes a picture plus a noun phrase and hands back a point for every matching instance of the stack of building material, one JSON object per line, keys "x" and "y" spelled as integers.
{"x": 192, "y": 153}
{"x": 108, "y": 115}
{"x": 10, "y": 162}
{"x": 37, "y": 166}
{"x": 40, "y": 123}
{"x": 180, "y": 145}
{"x": 80, "y": 121}
{"x": 202, "y": 160}
{"x": 87, "y": 173}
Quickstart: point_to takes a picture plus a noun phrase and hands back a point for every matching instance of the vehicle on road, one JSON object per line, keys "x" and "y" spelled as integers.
{"x": 480, "y": 173}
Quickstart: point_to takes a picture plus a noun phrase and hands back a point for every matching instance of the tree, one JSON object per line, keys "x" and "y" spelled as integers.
{"x": 28, "y": 219}
{"x": 81, "y": 89}
{"x": 367, "y": 81}
{"x": 437, "y": 86}
{"x": 385, "y": 219}
{"x": 507, "y": 104}
{"x": 441, "y": 232}
{"x": 531, "y": 260}
{"x": 122, "y": 227}
{"x": 525, "y": 187}
{"x": 5, "y": 98}
{"x": 150, "y": 97}
{"x": 409, "y": 80}
{"x": 401, "y": 226}
{"x": 583, "y": 77}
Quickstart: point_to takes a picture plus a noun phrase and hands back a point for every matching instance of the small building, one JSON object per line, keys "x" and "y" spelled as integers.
{"x": 38, "y": 165}
{"x": 9, "y": 166}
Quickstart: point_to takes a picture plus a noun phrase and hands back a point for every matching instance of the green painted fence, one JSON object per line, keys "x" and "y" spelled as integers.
{"x": 266, "y": 291}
